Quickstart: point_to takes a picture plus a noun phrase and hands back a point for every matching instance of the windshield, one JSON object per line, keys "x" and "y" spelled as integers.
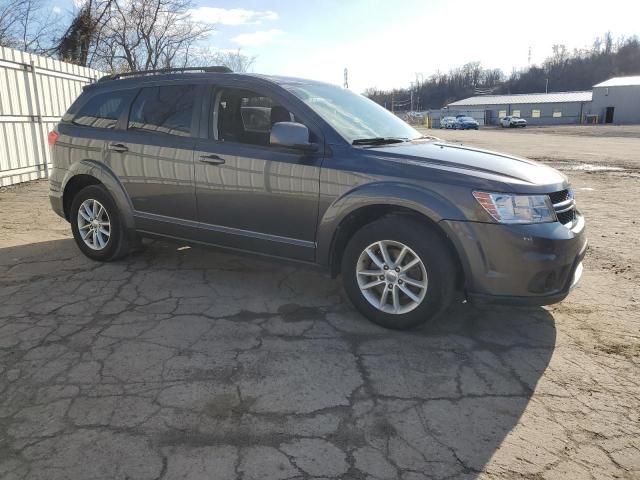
{"x": 466, "y": 119}
{"x": 353, "y": 116}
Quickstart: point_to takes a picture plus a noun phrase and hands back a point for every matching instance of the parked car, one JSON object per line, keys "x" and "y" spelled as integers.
{"x": 513, "y": 122}
{"x": 466, "y": 123}
{"x": 331, "y": 179}
{"x": 448, "y": 122}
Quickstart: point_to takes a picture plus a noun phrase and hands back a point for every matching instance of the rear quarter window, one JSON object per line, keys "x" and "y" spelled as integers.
{"x": 102, "y": 110}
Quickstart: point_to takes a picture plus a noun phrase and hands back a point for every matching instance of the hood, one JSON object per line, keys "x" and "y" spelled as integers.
{"x": 473, "y": 161}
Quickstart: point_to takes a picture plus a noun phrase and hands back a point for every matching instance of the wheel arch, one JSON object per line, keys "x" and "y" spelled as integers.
{"x": 352, "y": 212}
{"x": 90, "y": 172}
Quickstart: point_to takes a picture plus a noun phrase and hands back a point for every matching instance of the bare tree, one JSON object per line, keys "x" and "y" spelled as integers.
{"x": 234, "y": 59}
{"x": 125, "y": 35}
{"x": 145, "y": 34}
{"x": 27, "y": 25}
{"x": 79, "y": 41}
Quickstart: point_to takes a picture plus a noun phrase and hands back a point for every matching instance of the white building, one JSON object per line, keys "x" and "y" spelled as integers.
{"x": 615, "y": 101}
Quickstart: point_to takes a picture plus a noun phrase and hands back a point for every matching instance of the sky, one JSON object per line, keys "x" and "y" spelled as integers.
{"x": 386, "y": 43}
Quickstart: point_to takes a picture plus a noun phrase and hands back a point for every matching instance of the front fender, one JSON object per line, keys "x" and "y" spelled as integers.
{"x": 105, "y": 175}
{"x": 425, "y": 202}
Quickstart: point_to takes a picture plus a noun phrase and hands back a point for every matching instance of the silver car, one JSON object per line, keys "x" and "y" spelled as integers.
{"x": 448, "y": 122}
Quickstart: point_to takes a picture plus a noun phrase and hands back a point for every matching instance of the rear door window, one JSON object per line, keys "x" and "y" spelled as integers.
{"x": 103, "y": 110}
{"x": 166, "y": 110}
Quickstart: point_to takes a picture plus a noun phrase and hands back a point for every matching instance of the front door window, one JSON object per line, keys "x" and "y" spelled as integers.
{"x": 243, "y": 116}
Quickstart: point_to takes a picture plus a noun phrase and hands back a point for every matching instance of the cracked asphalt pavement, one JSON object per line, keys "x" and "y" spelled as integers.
{"x": 198, "y": 364}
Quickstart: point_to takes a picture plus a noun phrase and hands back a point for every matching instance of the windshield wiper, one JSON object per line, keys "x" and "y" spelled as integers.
{"x": 379, "y": 140}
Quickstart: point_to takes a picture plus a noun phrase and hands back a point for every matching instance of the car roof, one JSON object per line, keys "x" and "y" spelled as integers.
{"x": 135, "y": 80}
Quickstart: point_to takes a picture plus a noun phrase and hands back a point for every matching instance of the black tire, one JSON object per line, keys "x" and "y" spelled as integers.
{"x": 117, "y": 245}
{"x": 430, "y": 247}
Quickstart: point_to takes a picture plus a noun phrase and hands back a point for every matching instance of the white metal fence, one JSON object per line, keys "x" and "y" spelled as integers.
{"x": 34, "y": 93}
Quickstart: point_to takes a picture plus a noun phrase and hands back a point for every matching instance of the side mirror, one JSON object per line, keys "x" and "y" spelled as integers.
{"x": 292, "y": 135}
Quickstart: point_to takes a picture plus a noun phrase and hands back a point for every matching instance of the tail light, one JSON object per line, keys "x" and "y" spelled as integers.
{"x": 53, "y": 137}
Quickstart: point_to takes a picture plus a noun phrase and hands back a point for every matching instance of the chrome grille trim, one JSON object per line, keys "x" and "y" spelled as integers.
{"x": 562, "y": 210}
{"x": 570, "y": 201}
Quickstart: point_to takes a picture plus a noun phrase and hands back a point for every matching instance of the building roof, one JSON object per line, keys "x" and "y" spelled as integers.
{"x": 556, "y": 97}
{"x": 620, "y": 82}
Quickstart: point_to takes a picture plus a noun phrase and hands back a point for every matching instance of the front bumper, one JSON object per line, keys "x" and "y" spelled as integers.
{"x": 519, "y": 264}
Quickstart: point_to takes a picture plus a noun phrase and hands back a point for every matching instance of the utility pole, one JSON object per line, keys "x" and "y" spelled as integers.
{"x": 346, "y": 78}
{"x": 392, "y": 103}
{"x": 546, "y": 86}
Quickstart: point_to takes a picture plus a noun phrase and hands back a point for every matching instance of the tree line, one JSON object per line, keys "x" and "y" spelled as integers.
{"x": 115, "y": 35}
{"x": 563, "y": 70}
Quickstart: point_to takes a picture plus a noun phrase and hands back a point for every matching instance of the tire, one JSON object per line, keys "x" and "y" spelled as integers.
{"x": 116, "y": 245}
{"x": 424, "y": 243}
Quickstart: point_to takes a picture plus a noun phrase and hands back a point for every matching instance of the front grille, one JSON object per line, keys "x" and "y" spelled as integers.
{"x": 564, "y": 205}
{"x": 567, "y": 217}
{"x": 561, "y": 196}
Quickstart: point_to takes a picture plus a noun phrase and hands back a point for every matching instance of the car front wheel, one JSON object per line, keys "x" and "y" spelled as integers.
{"x": 398, "y": 272}
{"x": 96, "y": 225}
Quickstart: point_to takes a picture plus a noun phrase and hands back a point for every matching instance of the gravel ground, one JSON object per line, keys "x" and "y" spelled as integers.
{"x": 191, "y": 363}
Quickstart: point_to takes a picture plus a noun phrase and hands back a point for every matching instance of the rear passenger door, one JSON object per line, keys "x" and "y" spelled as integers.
{"x": 153, "y": 155}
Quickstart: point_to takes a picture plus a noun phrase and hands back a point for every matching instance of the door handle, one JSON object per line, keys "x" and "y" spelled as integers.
{"x": 118, "y": 147}
{"x": 212, "y": 159}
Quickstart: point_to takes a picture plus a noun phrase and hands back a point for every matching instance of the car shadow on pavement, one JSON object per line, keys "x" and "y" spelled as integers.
{"x": 213, "y": 360}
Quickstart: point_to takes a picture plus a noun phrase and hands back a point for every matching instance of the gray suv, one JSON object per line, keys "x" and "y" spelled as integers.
{"x": 312, "y": 172}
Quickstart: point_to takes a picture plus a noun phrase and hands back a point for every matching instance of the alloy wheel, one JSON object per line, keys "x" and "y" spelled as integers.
{"x": 392, "y": 277}
{"x": 94, "y": 224}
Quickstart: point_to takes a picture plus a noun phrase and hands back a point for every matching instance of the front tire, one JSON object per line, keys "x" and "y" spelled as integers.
{"x": 398, "y": 272}
{"x": 97, "y": 225}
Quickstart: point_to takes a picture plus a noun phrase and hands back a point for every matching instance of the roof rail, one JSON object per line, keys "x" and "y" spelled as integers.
{"x": 214, "y": 69}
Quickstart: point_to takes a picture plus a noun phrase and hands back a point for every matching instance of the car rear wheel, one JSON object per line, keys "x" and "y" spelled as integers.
{"x": 97, "y": 226}
{"x": 398, "y": 272}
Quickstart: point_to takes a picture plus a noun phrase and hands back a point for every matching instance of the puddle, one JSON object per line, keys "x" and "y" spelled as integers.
{"x": 587, "y": 167}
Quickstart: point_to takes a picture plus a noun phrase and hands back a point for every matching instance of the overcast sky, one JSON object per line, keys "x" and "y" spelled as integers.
{"x": 384, "y": 43}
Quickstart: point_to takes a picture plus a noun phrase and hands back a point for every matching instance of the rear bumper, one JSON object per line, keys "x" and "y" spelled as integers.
{"x": 519, "y": 264}
{"x": 56, "y": 176}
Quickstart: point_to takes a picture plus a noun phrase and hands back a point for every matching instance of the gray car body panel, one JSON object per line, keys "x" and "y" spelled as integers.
{"x": 290, "y": 203}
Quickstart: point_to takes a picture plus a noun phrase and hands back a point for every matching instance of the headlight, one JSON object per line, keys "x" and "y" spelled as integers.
{"x": 508, "y": 208}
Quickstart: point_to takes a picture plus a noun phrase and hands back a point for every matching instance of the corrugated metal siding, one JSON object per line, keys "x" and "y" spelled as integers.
{"x": 559, "y": 97}
{"x": 34, "y": 93}
{"x": 625, "y": 101}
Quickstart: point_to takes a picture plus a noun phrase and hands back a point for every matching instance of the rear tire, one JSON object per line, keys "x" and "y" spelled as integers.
{"x": 97, "y": 225}
{"x": 397, "y": 309}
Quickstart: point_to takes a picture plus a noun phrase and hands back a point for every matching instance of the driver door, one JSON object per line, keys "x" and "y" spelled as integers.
{"x": 250, "y": 194}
